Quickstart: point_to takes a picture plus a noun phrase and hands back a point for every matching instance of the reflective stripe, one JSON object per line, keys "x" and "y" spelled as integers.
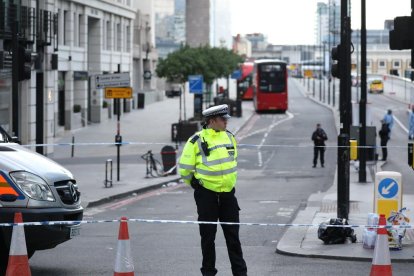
{"x": 187, "y": 167}
{"x": 187, "y": 177}
{"x": 221, "y": 146}
{"x": 219, "y": 161}
{"x": 205, "y": 172}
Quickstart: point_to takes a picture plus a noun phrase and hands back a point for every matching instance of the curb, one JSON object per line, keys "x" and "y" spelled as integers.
{"x": 142, "y": 190}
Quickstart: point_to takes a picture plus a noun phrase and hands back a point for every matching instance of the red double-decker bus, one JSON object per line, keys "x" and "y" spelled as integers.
{"x": 244, "y": 84}
{"x": 270, "y": 85}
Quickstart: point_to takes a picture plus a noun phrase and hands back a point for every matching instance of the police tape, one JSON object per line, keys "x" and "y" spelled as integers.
{"x": 240, "y": 146}
{"x": 161, "y": 221}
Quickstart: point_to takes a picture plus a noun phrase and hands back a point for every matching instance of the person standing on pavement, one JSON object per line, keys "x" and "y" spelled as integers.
{"x": 384, "y": 137}
{"x": 209, "y": 164}
{"x": 319, "y": 137}
{"x": 411, "y": 125}
{"x": 389, "y": 120}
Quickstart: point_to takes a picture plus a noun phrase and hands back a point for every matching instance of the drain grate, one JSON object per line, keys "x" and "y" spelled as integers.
{"x": 331, "y": 207}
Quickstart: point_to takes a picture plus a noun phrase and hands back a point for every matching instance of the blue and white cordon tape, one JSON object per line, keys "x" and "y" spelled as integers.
{"x": 161, "y": 221}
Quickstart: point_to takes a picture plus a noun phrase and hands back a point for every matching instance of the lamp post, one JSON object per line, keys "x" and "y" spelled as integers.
{"x": 363, "y": 102}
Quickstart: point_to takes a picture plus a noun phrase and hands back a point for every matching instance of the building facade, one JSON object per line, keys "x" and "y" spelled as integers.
{"x": 74, "y": 41}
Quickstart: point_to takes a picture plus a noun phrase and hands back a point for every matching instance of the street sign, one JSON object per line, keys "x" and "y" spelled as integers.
{"x": 118, "y": 92}
{"x": 196, "y": 84}
{"x": 237, "y": 74}
{"x": 387, "y": 193}
{"x": 113, "y": 80}
{"x": 388, "y": 188}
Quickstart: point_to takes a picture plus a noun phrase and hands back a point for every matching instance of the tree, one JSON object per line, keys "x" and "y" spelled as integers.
{"x": 208, "y": 61}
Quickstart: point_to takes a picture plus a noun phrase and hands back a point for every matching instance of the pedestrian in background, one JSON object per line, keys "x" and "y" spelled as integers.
{"x": 389, "y": 120}
{"x": 209, "y": 164}
{"x": 384, "y": 137}
{"x": 411, "y": 125}
{"x": 319, "y": 137}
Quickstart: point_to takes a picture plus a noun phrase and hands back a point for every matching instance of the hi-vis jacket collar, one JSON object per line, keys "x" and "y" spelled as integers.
{"x": 219, "y": 110}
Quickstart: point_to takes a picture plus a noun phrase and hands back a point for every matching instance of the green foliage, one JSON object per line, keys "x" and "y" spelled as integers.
{"x": 210, "y": 62}
{"x": 77, "y": 108}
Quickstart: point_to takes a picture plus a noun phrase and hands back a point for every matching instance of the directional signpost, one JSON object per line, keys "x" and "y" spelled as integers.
{"x": 117, "y": 87}
{"x": 195, "y": 83}
{"x": 113, "y": 80}
{"x": 118, "y": 92}
{"x": 387, "y": 192}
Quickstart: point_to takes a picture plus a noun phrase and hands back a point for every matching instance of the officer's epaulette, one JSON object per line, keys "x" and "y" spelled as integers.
{"x": 194, "y": 138}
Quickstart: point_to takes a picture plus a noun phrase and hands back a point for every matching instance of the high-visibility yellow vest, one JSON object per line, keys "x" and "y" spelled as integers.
{"x": 216, "y": 171}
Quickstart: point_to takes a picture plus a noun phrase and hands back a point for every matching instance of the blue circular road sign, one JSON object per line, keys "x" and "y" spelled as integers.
{"x": 388, "y": 188}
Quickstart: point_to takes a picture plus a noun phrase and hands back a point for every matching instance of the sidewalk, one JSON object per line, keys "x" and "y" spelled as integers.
{"x": 303, "y": 241}
{"x": 149, "y": 127}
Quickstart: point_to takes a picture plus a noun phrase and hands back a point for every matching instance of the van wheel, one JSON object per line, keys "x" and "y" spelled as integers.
{"x": 4, "y": 257}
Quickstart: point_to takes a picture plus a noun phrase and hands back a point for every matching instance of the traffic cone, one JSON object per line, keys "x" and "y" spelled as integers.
{"x": 124, "y": 265}
{"x": 18, "y": 260}
{"x": 381, "y": 263}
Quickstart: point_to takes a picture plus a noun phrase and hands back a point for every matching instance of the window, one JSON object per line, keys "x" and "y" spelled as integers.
{"x": 396, "y": 64}
{"x": 368, "y": 63}
{"x": 65, "y": 26}
{"x": 128, "y": 39}
{"x": 119, "y": 37}
{"x": 381, "y": 63}
{"x": 80, "y": 18}
{"x": 272, "y": 77}
{"x": 75, "y": 27}
{"x": 108, "y": 35}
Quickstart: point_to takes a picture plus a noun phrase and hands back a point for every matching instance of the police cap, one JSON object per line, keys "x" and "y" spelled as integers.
{"x": 217, "y": 111}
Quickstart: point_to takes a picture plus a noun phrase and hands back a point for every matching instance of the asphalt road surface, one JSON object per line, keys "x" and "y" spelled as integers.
{"x": 275, "y": 180}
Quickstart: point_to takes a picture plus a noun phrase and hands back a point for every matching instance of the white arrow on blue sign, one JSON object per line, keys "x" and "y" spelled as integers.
{"x": 196, "y": 84}
{"x": 388, "y": 188}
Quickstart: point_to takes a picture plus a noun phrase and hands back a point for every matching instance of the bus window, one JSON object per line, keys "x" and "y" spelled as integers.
{"x": 272, "y": 78}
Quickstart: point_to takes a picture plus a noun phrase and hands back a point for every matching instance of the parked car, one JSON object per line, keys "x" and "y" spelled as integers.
{"x": 41, "y": 190}
{"x": 376, "y": 86}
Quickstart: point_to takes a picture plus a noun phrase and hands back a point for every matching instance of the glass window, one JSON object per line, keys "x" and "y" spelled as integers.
{"x": 119, "y": 36}
{"x": 108, "y": 35}
{"x": 396, "y": 63}
{"x": 272, "y": 77}
{"x": 381, "y": 63}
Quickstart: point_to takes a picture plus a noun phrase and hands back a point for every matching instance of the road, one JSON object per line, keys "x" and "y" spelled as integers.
{"x": 275, "y": 180}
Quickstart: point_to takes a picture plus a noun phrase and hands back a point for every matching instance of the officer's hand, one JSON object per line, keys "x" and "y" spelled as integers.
{"x": 195, "y": 184}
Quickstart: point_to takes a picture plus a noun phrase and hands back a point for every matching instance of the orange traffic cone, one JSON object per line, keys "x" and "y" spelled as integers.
{"x": 381, "y": 263}
{"x": 18, "y": 260}
{"x": 124, "y": 265}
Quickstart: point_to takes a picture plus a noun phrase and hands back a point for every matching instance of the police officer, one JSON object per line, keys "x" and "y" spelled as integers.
{"x": 389, "y": 120}
{"x": 208, "y": 163}
{"x": 384, "y": 135}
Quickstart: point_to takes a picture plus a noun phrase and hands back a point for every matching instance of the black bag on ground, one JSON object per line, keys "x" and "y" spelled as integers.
{"x": 335, "y": 235}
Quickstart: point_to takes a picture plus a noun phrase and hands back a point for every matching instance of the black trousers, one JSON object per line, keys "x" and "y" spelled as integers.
{"x": 384, "y": 149}
{"x": 321, "y": 152}
{"x": 212, "y": 206}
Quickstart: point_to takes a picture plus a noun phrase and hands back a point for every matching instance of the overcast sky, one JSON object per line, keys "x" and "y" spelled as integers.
{"x": 293, "y": 21}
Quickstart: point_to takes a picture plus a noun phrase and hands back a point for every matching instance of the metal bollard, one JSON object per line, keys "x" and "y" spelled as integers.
{"x": 108, "y": 182}
{"x": 73, "y": 146}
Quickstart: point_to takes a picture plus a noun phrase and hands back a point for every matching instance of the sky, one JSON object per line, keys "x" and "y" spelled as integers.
{"x": 293, "y": 21}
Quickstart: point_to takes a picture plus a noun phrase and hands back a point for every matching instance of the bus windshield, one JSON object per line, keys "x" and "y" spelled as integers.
{"x": 272, "y": 78}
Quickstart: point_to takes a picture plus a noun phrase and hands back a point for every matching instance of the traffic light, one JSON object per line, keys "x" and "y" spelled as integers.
{"x": 25, "y": 62}
{"x": 401, "y": 37}
{"x": 336, "y": 66}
